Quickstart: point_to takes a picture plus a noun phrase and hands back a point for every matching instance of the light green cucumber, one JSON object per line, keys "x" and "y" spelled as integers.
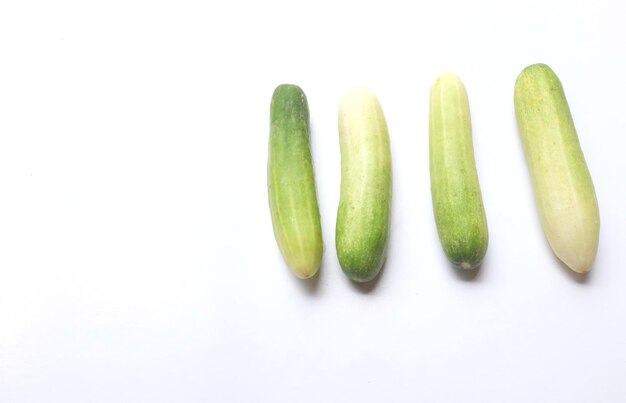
{"x": 363, "y": 217}
{"x": 291, "y": 182}
{"x": 563, "y": 188}
{"x": 455, "y": 190}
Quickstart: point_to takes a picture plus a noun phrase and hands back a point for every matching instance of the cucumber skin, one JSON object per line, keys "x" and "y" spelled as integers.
{"x": 564, "y": 191}
{"x": 291, "y": 182}
{"x": 364, "y": 213}
{"x": 457, "y": 201}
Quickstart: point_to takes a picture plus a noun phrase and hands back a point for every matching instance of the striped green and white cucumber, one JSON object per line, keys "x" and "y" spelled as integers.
{"x": 455, "y": 190}
{"x": 564, "y": 192}
{"x": 363, "y": 217}
{"x": 291, "y": 182}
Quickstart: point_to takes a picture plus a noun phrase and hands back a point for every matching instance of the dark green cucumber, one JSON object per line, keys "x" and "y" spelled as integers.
{"x": 457, "y": 200}
{"x": 291, "y": 182}
{"x": 363, "y": 217}
{"x": 564, "y": 192}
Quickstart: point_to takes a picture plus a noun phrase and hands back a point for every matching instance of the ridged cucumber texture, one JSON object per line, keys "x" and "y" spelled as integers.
{"x": 291, "y": 182}
{"x": 455, "y": 190}
{"x": 364, "y": 214}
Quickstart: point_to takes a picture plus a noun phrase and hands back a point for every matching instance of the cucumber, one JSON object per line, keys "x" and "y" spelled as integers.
{"x": 564, "y": 192}
{"x": 455, "y": 190}
{"x": 363, "y": 216}
{"x": 291, "y": 182}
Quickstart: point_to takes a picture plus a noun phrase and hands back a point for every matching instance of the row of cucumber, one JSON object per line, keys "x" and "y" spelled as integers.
{"x": 564, "y": 191}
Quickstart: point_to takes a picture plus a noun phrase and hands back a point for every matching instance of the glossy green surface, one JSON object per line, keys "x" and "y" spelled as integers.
{"x": 291, "y": 182}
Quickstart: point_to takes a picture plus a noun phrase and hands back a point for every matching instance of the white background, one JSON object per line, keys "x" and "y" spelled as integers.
{"x": 137, "y": 260}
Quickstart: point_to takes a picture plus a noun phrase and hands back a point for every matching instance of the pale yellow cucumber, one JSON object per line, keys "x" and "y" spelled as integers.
{"x": 291, "y": 182}
{"x": 363, "y": 217}
{"x": 563, "y": 188}
{"x": 455, "y": 190}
